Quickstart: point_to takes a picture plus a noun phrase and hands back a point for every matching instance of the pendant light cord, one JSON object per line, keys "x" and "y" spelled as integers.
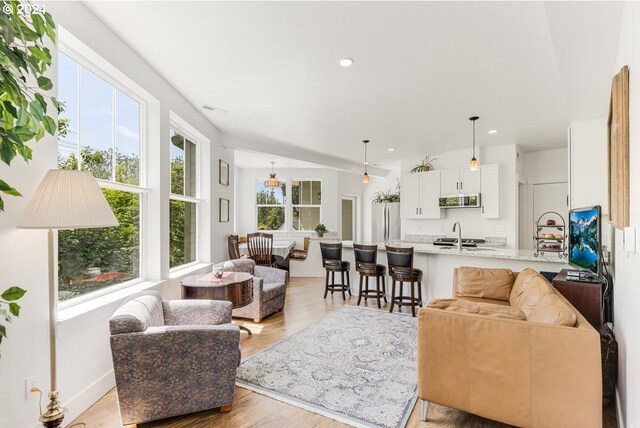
{"x": 474, "y": 138}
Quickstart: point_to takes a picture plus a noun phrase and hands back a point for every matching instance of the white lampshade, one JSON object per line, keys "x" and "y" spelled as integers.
{"x": 68, "y": 199}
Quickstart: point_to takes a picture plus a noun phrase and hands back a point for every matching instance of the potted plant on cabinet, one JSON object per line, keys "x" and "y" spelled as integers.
{"x": 320, "y": 229}
{"x": 424, "y": 165}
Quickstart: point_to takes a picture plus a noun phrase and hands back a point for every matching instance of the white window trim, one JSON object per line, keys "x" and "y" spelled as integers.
{"x": 296, "y": 231}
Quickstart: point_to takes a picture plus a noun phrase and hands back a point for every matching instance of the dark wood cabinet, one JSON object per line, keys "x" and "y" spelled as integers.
{"x": 586, "y": 297}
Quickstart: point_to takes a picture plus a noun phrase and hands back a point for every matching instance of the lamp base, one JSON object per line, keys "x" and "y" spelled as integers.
{"x": 54, "y": 415}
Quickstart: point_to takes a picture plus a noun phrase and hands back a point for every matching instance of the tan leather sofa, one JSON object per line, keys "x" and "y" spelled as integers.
{"x": 512, "y": 349}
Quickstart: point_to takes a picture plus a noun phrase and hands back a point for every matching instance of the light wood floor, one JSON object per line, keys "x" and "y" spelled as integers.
{"x": 304, "y": 306}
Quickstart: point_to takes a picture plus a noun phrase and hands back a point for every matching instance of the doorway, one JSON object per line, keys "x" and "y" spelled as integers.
{"x": 348, "y": 218}
{"x": 545, "y": 197}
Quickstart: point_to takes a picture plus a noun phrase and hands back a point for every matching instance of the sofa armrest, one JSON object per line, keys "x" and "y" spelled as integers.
{"x": 270, "y": 275}
{"x": 517, "y": 372}
{"x": 196, "y": 312}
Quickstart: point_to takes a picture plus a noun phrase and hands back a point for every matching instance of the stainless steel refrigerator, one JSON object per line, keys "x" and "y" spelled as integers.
{"x": 385, "y": 222}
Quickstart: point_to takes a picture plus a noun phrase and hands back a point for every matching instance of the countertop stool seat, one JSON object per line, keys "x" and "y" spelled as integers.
{"x": 366, "y": 265}
{"x": 332, "y": 262}
{"x": 401, "y": 270}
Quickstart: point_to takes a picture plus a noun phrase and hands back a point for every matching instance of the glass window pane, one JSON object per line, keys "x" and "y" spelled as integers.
{"x": 306, "y": 218}
{"x": 92, "y": 259}
{"x": 177, "y": 163}
{"x": 127, "y": 139}
{"x": 96, "y": 123}
{"x": 68, "y": 97}
{"x": 270, "y": 218}
{"x": 182, "y": 232}
{"x": 305, "y": 193}
{"x": 268, "y": 196}
{"x": 316, "y": 197}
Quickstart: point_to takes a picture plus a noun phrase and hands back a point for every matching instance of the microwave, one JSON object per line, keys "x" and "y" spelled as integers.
{"x": 471, "y": 200}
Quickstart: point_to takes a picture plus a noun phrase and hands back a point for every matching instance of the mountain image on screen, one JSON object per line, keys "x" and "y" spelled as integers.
{"x": 583, "y": 229}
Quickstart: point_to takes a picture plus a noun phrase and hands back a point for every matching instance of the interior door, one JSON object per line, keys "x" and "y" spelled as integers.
{"x": 548, "y": 197}
{"x": 348, "y": 218}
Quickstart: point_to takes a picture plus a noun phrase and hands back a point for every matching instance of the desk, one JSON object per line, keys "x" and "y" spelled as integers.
{"x": 280, "y": 248}
{"x": 235, "y": 287}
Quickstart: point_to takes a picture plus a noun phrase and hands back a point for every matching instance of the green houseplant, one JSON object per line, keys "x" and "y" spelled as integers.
{"x": 424, "y": 165}
{"x": 382, "y": 196}
{"x": 320, "y": 229}
{"x": 24, "y": 61}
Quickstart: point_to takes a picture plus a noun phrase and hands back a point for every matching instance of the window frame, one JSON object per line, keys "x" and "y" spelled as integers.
{"x": 284, "y": 206}
{"x": 293, "y": 230}
{"x": 87, "y": 58}
{"x": 176, "y": 125}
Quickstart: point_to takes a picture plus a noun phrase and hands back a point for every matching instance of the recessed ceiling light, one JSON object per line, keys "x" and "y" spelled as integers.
{"x": 215, "y": 109}
{"x": 346, "y": 62}
{"x": 391, "y": 149}
{"x": 493, "y": 131}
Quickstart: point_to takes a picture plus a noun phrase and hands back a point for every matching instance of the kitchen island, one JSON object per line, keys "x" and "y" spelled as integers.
{"x": 438, "y": 263}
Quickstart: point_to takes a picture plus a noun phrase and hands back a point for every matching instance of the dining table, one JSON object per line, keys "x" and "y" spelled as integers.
{"x": 281, "y": 248}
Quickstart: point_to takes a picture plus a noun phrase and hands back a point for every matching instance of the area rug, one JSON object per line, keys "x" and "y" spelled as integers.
{"x": 356, "y": 366}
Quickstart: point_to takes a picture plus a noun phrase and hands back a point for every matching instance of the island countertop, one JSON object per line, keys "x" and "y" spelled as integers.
{"x": 484, "y": 252}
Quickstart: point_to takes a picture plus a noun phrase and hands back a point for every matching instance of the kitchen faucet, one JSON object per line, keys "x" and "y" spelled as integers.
{"x": 459, "y": 234}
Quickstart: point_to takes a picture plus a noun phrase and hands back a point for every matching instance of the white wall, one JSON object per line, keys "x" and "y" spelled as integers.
{"x": 85, "y": 371}
{"x": 626, "y": 288}
{"x": 473, "y": 226}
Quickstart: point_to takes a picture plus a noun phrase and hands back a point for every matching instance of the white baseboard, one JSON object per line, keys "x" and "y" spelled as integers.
{"x": 80, "y": 402}
{"x": 619, "y": 414}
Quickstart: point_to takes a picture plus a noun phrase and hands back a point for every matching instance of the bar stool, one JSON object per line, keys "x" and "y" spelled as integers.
{"x": 401, "y": 269}
{"x": 366, "y": 265}
{"x": 332, "y": 262}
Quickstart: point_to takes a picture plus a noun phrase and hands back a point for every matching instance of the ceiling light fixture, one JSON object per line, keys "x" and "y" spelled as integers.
{"x": 493, "y": 131}
{"x": 346, "y": 62}
{"x": 272, "y": 182}
{"x": 391, "y": 149}
{"x": 365, "y": 176}
{"x": 473, "y": 165}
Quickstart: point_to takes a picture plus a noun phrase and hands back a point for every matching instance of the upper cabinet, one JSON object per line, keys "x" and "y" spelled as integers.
{"x": 490, "y": 191}
{"x": 459, "y": 180}
{"x": 420, "y": 195}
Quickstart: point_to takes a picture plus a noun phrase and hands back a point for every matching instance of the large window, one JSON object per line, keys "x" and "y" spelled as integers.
{"x": 102, "y": 136}
{"x": 306, "y": 199}
{"x": 183, "y": 208}
{"x": 270, "y": 205}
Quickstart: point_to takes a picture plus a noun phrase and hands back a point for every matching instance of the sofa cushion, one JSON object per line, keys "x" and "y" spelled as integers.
{"x": 529, "y": 292}
{"x": 520, "y": 281}
{"x": 269, "y": 291}
{"x": 551, "y": 309}
{"x": 480, "y": 308}
{"x": 484, "y": 283}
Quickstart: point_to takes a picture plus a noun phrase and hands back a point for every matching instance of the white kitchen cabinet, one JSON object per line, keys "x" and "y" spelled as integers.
{"x": 459, "y": 180}
{"x": 420, "y": 195}
{"x": 490, "y": 191}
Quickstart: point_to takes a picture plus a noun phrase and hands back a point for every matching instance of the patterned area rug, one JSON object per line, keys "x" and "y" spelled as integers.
{"x": 356, "y": 365}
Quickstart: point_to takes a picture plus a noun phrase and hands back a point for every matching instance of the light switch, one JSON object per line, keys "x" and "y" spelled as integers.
{"x": 629, "y": 239}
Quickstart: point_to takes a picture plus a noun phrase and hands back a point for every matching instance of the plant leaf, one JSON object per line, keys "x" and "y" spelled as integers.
{"x": 13, "y": 293}
{"x": 35, "y": 108}
{"x": 3, "y": 332}
{"x": 38, "y": 24}
{"x": 45, "y": 83}
{"x": 14, "y": 308}
{"x": 49, "y": 125}
{"x": 5, "y": 188}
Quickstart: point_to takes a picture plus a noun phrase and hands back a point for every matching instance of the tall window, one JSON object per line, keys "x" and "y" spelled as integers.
{"x": 306, "y": 199}
{"x": 270, "y": 205}
{"x": 183, "y": 203}
{"x": 102, "y": 135}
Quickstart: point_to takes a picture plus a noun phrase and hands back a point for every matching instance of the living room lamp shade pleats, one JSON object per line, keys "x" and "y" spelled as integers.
{"x": 68, "y": 199}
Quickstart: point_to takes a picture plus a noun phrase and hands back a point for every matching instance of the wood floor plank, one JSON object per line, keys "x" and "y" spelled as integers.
{"x": 304, "y": 306}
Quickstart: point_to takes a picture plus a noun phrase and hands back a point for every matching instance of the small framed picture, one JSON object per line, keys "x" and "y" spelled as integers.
{"x": 224, "y": 210}
{"x": 223, "y": 176}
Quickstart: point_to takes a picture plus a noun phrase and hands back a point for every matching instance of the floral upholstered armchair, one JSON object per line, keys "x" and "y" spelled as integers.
{"x": 173, "y": 357}
{"x": 269, "y": 288}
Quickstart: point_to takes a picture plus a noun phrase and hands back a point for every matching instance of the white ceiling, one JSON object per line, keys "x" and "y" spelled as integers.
{"x": 244, "y": 159}
{"x": 421, "y": 69}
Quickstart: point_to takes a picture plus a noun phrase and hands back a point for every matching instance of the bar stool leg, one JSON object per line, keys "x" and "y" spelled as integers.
{"x": 360, "y": 290}
{"x": 342, "y": 285}
{"x": 349, "y": 282}
{"x": 400, "y": 301}
{"x": 366, "y": 289}
{"x": 393, "y": 293}
{"x": 413, "y": 300}
{"x": 333, "y": 280}
{"x": 326, "y": 285}
{"x": 378, "y": 290}
{"x": 384, "y": 288}
{"x": 420, "y": 292}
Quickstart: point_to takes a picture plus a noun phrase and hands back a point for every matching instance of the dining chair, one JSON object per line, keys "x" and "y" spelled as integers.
{"x": 260, "y": 247}
{"x": 401, "y": 269}
{"x": 233, "y": 247}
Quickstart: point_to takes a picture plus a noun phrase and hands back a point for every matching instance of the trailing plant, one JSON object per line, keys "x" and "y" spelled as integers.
{"x": 424, "y": 165}
{"x": 8, "y": 301}
{"x": 24, "y": 59}
{"x": 320, "y": 229}
{"x": 389, "y": 195}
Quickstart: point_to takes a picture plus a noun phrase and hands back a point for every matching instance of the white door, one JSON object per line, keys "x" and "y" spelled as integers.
{"x": 449, "y": 182}
{"x": 348, "y": 218}
{"x": 548, "y": 197}
{"x": 410, "y": 198}
{"x": 469, "y": 181}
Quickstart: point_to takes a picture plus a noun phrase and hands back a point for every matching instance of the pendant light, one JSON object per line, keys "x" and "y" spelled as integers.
{"x": 365, "y": 176}
{"x": 272, "y": 182}
{"x": 473, "y": 165}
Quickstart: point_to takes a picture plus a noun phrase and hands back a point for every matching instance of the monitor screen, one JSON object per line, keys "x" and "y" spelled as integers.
{"x": 584, "y": 238}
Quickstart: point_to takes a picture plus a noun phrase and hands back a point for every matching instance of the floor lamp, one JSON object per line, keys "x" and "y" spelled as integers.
{"x": 65, "y": 199}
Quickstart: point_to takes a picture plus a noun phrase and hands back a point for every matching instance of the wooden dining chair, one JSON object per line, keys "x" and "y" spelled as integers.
{"x": 260, "y": 247}
{"x": 301, "y": 254}
{"x": 233, "y": 247}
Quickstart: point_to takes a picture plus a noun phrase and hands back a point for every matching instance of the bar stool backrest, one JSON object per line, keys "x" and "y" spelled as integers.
{"x": 366, "y": 257}
{"x": 400, "y": 262}
{"x": 331, "y": 255}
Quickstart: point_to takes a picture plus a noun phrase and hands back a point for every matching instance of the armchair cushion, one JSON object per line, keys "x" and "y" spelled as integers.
{"x": 270, "y": 275}
{"x": 272, "y": 290}
{"x": 483, "y": 283}
{"x": 137, "y": 314}
{"x": 196, "y": 312}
